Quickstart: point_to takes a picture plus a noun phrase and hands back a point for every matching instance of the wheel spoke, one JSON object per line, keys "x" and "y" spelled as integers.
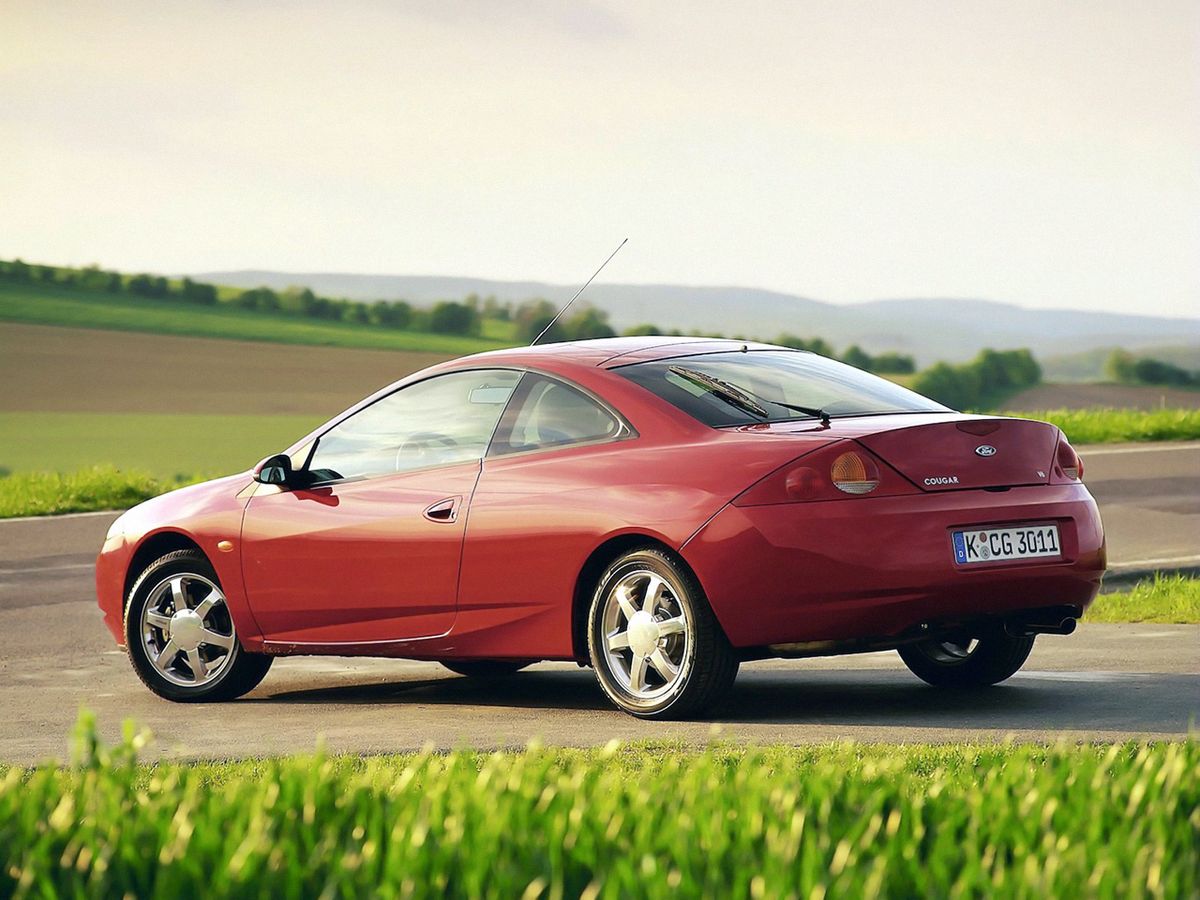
{"x": 166, "y": 656}
{"x": 667, "y": 669}
{"x": 178, "y": 594}
{"x": 637, "y": 672}
{"x": 158, "y": 620}
{"x": 618, "y": 640}
{"x": 215, "y": 639}
{"x": 654, "y": 590}
{"x": 625, "y": 602}
{"x": 676, "y": 625}
{"x": 199, "y": 666}
{"x": 205, "y": 606}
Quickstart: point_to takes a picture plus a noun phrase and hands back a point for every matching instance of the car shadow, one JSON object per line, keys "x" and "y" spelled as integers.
{"x": 1041, "y": 701}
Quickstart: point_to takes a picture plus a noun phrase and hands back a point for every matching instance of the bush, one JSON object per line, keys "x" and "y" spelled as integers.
{"x": 984, "y": 382}
{"x": 448, "y": 317}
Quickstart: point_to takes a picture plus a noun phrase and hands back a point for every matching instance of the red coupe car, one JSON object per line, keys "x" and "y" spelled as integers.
{"x": 660, "y": 509}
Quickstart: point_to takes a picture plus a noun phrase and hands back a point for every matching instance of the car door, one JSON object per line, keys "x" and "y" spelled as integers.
{"x": 369, "y": 550}
{"x": 551, "y": 480}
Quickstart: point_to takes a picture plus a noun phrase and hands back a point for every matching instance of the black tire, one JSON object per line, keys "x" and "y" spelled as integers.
{"x": 709, "y": 664}
{"x": 486, "y": 668}
{"x": 994, "y": 657}
{"x": 241, "y": 672}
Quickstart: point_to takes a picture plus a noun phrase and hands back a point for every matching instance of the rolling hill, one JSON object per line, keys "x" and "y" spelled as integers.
{"x": 930, "y": 329}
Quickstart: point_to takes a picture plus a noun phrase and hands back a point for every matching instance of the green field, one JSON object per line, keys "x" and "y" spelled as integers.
{"x": 160, "y": 444}
{"x": 48, "y": 305}
{"x": 840, "y": 820}
{"x": 1117, "y": 426}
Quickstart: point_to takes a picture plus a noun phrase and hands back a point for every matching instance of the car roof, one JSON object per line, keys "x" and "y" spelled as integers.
{"x": 612, "y": 352}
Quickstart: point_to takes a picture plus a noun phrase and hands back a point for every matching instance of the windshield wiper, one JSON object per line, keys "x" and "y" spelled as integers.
{"x": 731, "y": 394}
{"x": 742, "y": 398}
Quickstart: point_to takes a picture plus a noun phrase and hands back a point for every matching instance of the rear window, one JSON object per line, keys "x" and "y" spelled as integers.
{"x": 789, "y": 376}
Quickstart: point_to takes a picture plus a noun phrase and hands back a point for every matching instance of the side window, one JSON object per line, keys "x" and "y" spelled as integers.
{"x": 440, "y": 421}
{"x": 548, "y": 413}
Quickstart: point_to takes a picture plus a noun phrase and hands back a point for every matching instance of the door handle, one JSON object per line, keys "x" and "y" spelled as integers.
{"x": 444, "y": 511}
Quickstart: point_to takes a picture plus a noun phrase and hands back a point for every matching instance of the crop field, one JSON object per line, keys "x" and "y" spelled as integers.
{"x": 653, "y": 821}
{"x": 48, "y": 305}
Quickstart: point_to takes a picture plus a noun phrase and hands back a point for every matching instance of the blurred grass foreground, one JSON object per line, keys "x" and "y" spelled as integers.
{"x": 841, "y": 820}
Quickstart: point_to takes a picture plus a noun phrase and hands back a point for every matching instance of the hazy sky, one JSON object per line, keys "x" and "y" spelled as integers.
{"x": 1043, "y": 153}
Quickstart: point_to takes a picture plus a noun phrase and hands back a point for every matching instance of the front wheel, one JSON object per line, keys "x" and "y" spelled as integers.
{"x": 655, "y": 645}
{"x": 965, "y": 661}
{"x": 180, "y": 635}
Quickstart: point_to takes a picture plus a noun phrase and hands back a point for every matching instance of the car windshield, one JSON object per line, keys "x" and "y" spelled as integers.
{"x": 787, "y": 376}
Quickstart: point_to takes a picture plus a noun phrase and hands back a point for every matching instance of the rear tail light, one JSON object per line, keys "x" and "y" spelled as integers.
{"x": 1068, "y": 462}
{"x": 833, "y": 472}
{"x": 853, "y": 473}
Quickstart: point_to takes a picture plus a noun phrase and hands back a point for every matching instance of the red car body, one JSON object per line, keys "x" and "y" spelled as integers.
{"x": 359, "y": 568}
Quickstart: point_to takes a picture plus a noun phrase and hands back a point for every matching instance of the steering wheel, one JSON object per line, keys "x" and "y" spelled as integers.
{"x": 420, "y": 448}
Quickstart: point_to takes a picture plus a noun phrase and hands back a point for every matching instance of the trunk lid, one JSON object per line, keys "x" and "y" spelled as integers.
{"x": 970, "y": 452}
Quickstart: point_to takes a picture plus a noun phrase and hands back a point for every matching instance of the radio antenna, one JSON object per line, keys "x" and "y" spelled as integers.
{"x": 577, "y": 293}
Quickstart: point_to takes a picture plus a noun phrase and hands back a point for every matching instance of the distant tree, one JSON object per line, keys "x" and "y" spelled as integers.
{"x": 114, "y": 283}
{"x": 358, "y": 313}
{"x": 261, "y": 298}
{"x": 588, "y": 322}
{"x": 1157, "y": 372}
{"x": 1119, "y": 367}
{"x": 534, "y": 315}
{"x": 448, "y": 317}
{"x": 45, "y": 274}
{"x": 953, "y": 386}
{"x": 643, "y": 329}
{"x": 141, "y": 285}
{"x": 199, "y": 292}
{"x": 494, "y": 309}
{"x": 859, "y": 358}
{"x": 816, "y": 345}
{"x": 392, "y": 314}
{"x": 19, "y": 271}
{"x": 893, "y": 364}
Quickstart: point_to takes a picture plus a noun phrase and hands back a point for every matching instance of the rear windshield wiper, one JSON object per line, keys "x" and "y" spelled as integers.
{"x": 742, "y": 398}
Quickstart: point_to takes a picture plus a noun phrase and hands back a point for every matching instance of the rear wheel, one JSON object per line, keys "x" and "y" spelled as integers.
{"x": 967, "y": 661}
{"x": 180, "y": 635}
{"x": 656, "y": 647}
{"x": 486, "y": 668}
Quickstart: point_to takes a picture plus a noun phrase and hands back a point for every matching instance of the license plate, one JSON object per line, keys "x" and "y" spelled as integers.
{"x": 981, "y": 545}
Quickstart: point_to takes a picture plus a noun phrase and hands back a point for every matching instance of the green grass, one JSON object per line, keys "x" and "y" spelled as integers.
{"x": 839, "y": 820}
{"x": 1166, "y": 599}
{"x": 47, "y": 305}
{"x": 164, "y": 445}
{"x": 1115, "y": 426}
{"x": 101, "y": 487}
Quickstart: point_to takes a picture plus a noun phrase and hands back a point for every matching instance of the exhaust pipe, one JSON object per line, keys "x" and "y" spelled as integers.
{"x": 1051, "y": 620}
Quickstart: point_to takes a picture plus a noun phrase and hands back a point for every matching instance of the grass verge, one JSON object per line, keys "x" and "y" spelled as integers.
{"x": 101, "y": 487}
{"x": 1116, "y": 426}
{"x": 647, "y": 821}
{"x": 45, "y": 305}
{"x": 1165, "y": 599}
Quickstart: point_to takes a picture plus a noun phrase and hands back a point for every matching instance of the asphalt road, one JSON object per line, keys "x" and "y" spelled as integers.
{"x": 1103, "y": 682}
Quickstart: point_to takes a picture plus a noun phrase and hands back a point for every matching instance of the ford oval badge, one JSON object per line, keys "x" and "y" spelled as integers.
{"x": 985, "y": 450}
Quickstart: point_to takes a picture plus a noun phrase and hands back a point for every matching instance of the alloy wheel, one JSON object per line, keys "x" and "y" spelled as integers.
{"x": 647, "y": 635}
{"x": 187, "y": 631}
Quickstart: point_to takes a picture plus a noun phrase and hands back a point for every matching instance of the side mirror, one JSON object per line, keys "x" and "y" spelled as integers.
{"x": 275, "y": 469}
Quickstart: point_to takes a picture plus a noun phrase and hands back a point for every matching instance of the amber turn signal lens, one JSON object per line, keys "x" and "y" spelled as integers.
{"x": 853, "y": 474}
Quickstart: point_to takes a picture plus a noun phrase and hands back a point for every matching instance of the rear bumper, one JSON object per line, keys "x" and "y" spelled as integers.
{"x": 878, "y": 567}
